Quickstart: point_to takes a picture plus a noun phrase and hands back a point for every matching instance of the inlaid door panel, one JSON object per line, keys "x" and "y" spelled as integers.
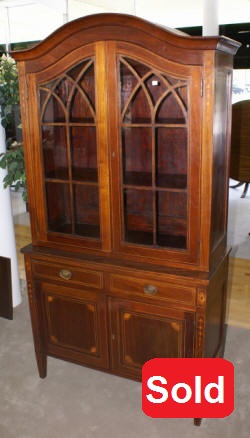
{"x": 140, "y": 332}
{"x": 75, "y": 324}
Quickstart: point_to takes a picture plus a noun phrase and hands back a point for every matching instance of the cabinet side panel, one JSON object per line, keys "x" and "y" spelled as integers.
{"x": 221, "y": 144}
{"x": 216, "y": 312}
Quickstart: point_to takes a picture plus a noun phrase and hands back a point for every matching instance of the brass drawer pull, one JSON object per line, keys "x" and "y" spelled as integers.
{"x": 149, "y": 289}
{"x": 65, "y": 274}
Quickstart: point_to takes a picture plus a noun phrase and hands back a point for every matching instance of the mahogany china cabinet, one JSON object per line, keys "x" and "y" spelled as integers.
{"x": 126, "y": 129}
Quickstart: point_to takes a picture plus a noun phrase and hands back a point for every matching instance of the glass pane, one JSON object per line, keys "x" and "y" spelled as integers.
{"x": 139, "y": 109}
{"x": 55, "y": 152}
{"x": 73, "y": 93}
{"x": 170, "y": 110}
{"x": 137, "y": 156}
{"x": 156, "y": 87}
{"x": 43, "y": 96}
{"x": 58, "y": 207}
{"x": 135, "y": 100}
{"x": 182, "y": 93}
{"x": 77, "y": 70}
{"x": 88, "y": 85}
{"x": 128, "y": 83}
{"x": 54, "y": 111}
{"x": 63, "y": 90}
{"x": 81, "y": 110}
{"x": 138, "y": 212}
{"x": 84, "y": 153}
{"x": 86, "y": 207}
{"x": 136, "y": 66}
{"x": 171, "y": 150}
{"x": 83, "y": 74}
{"x": 172, "y": 219}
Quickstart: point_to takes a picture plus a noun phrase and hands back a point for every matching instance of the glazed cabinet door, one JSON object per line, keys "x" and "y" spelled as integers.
{"x": 74, "y": 324}
{"x": 69, "y": 191}
{"x": 156, "y": 170}
{"x": 140, "y": 332}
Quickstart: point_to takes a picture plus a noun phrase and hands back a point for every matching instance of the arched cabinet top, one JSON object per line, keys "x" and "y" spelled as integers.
{"x": 166, "y": 42}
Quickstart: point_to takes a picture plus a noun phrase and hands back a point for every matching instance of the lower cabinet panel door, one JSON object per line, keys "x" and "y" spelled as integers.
{"x": 140, "y": 332}
{"x": 75, "y": 324}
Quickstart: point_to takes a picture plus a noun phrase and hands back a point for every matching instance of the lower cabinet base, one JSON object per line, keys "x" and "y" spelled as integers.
{"x": 114, "y": 318}
{"x": 42, "y": 369}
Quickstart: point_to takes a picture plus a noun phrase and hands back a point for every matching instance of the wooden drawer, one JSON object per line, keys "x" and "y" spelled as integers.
{"x": 69, "y": 274}
{"x": 152, "y": 288}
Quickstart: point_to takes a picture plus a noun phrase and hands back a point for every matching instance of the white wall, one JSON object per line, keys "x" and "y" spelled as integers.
{"x": 35, "y": 19}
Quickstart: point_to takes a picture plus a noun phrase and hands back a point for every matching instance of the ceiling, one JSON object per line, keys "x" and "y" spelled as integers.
{"x": 31, "y": 20}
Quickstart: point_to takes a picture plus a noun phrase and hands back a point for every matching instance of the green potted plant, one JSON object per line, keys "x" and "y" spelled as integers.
{"x": 13, "y": 158}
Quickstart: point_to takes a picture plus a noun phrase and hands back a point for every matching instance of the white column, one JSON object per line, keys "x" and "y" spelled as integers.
{"x": 210, "y": 17}
{"x": 7, "y": 233}
{"x": 4, "y": 12}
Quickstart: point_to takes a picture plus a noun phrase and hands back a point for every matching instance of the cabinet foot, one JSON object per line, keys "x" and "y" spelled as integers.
{"x": 42, "y": 366}
{"x": 197, "y": 421}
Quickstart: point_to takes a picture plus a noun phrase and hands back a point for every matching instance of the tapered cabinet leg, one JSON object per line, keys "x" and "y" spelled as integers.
{"x": 42, "y": 364}
{"x": 197, "y": 421}
{"x": 41, "y": 357}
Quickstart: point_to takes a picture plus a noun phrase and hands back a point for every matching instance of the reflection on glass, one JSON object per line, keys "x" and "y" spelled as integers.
{"x": 55, "y": 152}
{"x": 84, "y": 153}
{"x": 86, "y": 207}
{"x": 80, "y": 109}
{"x": 172, "y": 219}
{"x": 138, "y": 110}
{"x": 171, "y": 151}
{"x": 138, "y": 216}
{"x": 137, "y": 153}
{"x": 54, "y": 111}
{"x": 58, "y": 207}
{"x": 170, "y": 110}
{"x": 156, "y": 87}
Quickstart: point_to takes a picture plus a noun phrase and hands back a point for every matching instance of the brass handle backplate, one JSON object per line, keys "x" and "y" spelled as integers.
{"x": 149, "y": 289}
{"x": 66, "y": 274}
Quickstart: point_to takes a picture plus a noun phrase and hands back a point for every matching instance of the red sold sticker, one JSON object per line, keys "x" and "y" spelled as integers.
{"x": 188, "y": 388}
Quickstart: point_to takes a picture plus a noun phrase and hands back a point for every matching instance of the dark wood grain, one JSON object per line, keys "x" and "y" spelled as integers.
{"x": 6, "y": 308}
{"x": 240, "y": 144}
{"x": 127, "y": 132}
